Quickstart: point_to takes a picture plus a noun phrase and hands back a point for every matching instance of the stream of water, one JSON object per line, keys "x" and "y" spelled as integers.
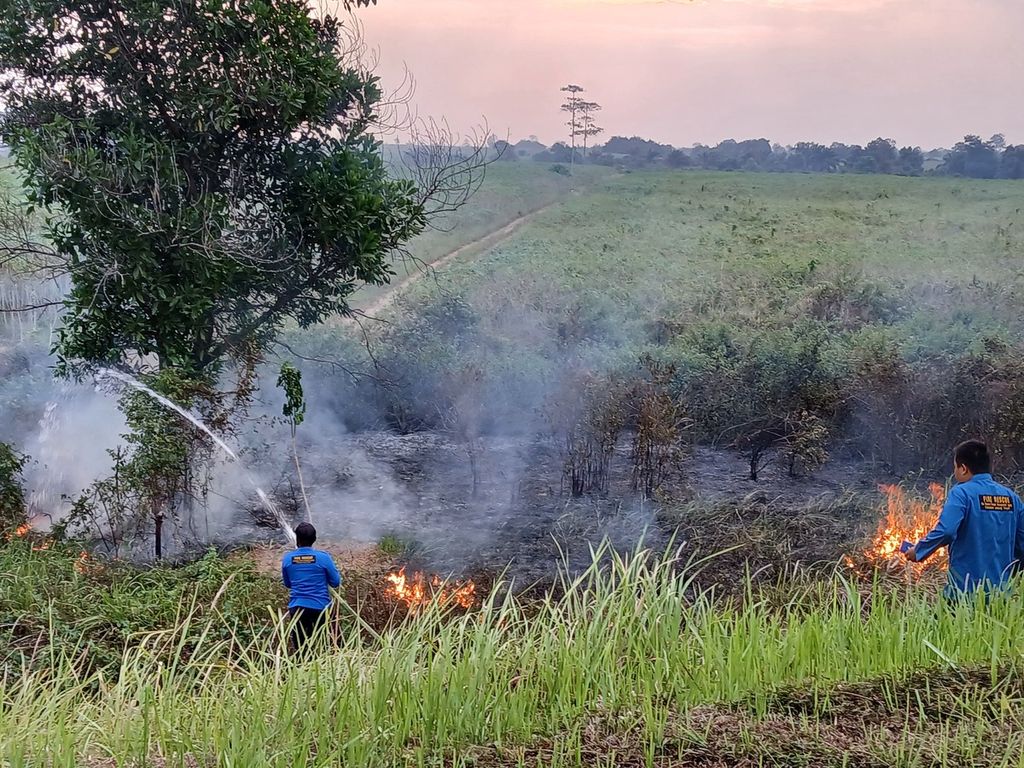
{"x": 48, "y": 451}
{"x": 198, "y": 423}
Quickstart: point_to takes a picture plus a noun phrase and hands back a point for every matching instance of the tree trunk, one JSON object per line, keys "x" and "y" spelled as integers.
{"x": 474, "y": 469}
{"x": 158, "y": 535}
{"x": 572, "y": 142}
{"x": 302, "y": 483}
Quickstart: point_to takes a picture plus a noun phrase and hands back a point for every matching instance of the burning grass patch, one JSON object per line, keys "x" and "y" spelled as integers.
{"x": 769, "y": 549}
{"x": 908, "y": 517}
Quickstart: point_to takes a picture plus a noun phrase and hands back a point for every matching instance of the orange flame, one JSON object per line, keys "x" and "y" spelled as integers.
{"x": 418, "y": 589}
{"x": 23, "y": 531}
{"x": 81, "y": 565}
{"x": 907, "y": 519}
{"x": 42, "y": 544}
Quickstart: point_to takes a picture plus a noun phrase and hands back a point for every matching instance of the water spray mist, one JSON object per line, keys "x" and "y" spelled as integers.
{"x": 198, "y": 423}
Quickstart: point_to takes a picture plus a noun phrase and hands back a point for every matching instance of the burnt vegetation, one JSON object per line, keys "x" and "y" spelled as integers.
{"x": 830, "y": 376}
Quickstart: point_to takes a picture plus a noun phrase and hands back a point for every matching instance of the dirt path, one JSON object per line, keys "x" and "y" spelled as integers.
{"x": 484, "y": 243}
{"x": 364, "y": 560}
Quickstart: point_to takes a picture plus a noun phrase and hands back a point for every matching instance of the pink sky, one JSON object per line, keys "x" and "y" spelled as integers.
{"x": 922, "y": 72}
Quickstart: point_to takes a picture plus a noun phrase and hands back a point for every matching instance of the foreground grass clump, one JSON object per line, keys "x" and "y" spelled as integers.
{"x": 55, "y": 603}
{"x": 628, "y": 667}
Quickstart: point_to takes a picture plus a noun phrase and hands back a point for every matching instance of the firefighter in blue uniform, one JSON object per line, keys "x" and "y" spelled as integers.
{"x": 308, "y": 573}
{"x": 982, "y": 523}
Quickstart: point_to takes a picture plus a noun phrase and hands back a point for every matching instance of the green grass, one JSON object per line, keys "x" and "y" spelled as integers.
{"x": 393, "y": 545}
{"x": 49, "y": 607}
{"x": 630, "y": 660}
{"x": 739, "y": 246}
{"x": 508, "y": 191}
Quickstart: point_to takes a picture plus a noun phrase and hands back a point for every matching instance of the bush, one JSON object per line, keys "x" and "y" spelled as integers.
{"x": 587, "y": 415}
{"x": 660, "y": 424}
{"x": 776, "y": 389}
{"x": 53, "y": 601}
{"x": 12, "y": 495}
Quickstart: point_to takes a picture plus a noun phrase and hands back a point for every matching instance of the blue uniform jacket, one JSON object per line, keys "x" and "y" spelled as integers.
{"x": 308, "y": 572}
{"x": 982, "y": 523}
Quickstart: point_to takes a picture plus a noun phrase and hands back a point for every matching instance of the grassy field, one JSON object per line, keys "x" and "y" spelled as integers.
{"x": 728, "y": 246}
{"x": 791, "y": 310}
{"x": 507, "y": 192}
{"x": 833, "y": 314}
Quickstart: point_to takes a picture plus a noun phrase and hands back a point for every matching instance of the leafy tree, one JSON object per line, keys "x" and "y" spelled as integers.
{"x": 911, "y": 162}
{"x": 1011, "y": 164}
{"x": 843, "y": 154}
{"x": 209, "y": 173}
{"x": 730, "y": 155}
{"x": 207, "y": 168}
{"x": 678, "y": 159}
{"x": 883, "y": 154}
{"x": 560, "y": 152}
{"x": 639, "y": 151}
{"x": 809, "y": 156}
{"x": 974, "y": 158}
{"x": 505, "y": 151}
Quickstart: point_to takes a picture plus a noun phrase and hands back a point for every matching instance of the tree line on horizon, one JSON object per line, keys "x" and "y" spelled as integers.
{"x": 973, "y": 157}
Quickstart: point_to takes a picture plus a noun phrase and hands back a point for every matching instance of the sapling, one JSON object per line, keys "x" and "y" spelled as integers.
{"x": 294, "y": 409}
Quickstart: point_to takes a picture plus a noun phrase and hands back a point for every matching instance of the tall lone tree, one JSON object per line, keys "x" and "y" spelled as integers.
{"x": 573, "y": 105}
{"x": 207, "y": 168}
{"x": 588, "y": 127}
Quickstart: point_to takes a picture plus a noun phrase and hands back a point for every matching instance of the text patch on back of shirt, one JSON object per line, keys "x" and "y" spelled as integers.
{"x": 303, "y": 559}
{"x": 994, "y": 503}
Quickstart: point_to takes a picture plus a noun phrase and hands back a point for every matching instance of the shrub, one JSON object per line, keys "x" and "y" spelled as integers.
{"x": 660, "y": 423}
{"x": 766, "y": 390}
{"x": 12, "y": 495}
{"x": 587, "y": 416}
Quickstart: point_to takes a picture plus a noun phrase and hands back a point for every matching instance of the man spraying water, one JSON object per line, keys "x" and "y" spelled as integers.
{"x": 982, "y": 523}
{"x": 309, "y": 574}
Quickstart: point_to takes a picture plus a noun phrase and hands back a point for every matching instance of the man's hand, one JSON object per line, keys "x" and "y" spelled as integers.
{"x": 911, "y": 554}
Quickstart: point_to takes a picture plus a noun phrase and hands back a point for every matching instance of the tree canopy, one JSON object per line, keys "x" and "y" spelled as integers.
{"x": 207, "y": 168}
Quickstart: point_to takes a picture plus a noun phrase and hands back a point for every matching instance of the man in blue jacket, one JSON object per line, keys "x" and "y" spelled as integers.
{"x": 308, "y": 573}
{"x": 982, "y": 523}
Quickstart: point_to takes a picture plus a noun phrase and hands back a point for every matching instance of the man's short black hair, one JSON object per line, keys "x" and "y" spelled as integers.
{"x": 973, "y": 454}
{"x": 305, "y": 534}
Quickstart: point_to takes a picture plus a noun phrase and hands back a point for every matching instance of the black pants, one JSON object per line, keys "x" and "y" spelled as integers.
{"x": 308, "y": 622}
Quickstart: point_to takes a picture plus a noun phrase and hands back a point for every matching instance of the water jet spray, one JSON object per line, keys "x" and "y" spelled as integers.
{"x": 198, "y": 423}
